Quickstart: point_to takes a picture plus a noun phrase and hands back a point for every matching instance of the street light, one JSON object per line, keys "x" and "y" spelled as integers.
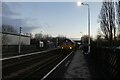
{"x": 81, "y": 37}
{"x": 81, "y": 34}
{"x": 79, "y": 3}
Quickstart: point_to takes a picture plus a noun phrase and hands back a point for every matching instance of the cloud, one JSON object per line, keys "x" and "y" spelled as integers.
{"x": 6, "y": 11}
{"x": 7, "y": 19}
{"x": 13, "y": 22}
{"x": 30, "y": 28}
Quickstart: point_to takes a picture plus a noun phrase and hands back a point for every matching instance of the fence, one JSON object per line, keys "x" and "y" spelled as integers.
{"x": 14, "y": 48}
{"x": 109, "y": 61}
{"x": 25, "y": 48}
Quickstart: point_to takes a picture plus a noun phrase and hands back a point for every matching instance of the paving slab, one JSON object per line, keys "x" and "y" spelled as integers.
{"x": 78, "y": 69}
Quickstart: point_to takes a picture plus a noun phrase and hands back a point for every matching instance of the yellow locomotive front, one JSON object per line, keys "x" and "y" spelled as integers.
{"x": 67, "y": 45}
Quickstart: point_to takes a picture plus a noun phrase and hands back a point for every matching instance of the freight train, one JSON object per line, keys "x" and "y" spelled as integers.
{"x": 68, "y": 44}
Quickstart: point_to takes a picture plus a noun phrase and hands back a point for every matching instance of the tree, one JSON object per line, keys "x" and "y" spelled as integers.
{"x": 47, "y": 37}
{"x": 29, "y": 34}
{"x": 85, "y": 39}
{"x": 99, "y": 35}
{"x": 118, "y": 16}
{"x": 60, "y": 38}
{"x": 107, "y": 20}
{"x": 7, "y": 29}
{"x": 39, "y": 36}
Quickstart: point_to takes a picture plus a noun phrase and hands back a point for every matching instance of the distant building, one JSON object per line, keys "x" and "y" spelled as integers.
{"x": 77, "y": 40}
{"x": 13, "y": 39}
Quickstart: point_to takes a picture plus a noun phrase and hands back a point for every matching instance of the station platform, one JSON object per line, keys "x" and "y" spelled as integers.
{"x": 77, "y": 66}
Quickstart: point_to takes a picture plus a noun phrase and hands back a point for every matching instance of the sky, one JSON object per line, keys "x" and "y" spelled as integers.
{"x": 53, "y": 18}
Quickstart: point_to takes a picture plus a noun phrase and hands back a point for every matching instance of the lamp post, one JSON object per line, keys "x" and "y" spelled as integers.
{"x": 81, "y": 36}
{"x": 79, "y": 4}
{"x": 57, "y": 42}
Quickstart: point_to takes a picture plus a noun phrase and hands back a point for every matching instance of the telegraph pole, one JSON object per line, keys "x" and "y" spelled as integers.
{"x": 57, "y": 42}
{"x": 20, "y": 40}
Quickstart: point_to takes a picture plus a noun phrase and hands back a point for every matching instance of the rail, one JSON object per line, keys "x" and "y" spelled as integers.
{"x": 25, "y": 67}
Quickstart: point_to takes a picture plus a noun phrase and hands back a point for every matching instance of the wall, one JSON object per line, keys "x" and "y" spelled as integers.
{"x": 10, "y": 39}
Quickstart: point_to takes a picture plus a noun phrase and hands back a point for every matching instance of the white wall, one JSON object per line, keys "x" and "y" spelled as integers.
{"x": 14, "y": 40}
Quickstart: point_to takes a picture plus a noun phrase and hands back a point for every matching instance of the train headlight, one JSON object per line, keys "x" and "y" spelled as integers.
{"x": 70, "y": 47}
{"x": 62, "y": 47}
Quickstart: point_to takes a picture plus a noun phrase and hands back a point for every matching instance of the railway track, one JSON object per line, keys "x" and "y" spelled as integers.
{"x": 31, "y": 67}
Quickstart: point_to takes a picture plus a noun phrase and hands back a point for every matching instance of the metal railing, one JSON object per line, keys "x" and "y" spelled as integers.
{"x": 109, "y": 61}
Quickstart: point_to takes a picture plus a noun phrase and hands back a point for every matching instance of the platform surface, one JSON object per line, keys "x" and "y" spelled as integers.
{"x": 78, "y": 67}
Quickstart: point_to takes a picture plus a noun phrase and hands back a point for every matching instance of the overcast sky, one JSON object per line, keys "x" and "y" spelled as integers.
{"x": 54, "y": 18}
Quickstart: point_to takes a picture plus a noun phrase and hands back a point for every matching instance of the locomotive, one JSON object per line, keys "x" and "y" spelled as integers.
{"x": 67, "y": 44}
